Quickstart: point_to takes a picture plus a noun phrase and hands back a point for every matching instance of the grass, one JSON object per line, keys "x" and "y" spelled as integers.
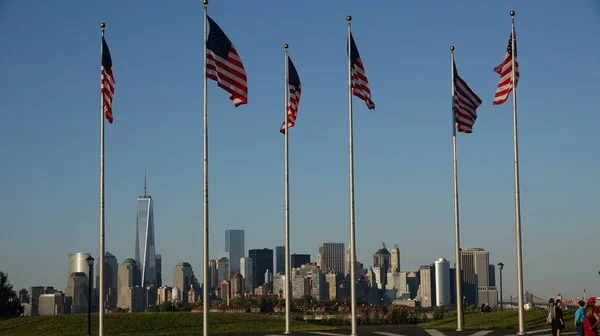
{"x": 151, "y": 324}
{"x": 507, "y": 319}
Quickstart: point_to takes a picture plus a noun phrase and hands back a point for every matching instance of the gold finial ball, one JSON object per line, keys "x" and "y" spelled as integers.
{"x": 349, "y": 18}
{"x": 205, "y": 2}
{"x": 102, "y": 25}
{"x": 452, "y": 48}
{"x": 285, "y": 45}
{"x": 512, "y": 13}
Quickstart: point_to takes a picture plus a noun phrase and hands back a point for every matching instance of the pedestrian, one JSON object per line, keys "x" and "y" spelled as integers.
{"x": 590, "y": 324}
{"x": 580, "y": 318}
{"x": 558, "y": 323}
{"x": 592, "y": 303}
{"x": 550, "y": 311}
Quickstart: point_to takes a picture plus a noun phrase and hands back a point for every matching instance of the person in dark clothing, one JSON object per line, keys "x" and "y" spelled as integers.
{"x": 558, "y": 324}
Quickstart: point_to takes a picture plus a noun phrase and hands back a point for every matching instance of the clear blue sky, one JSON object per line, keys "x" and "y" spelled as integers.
{"x": 49, "y": 175}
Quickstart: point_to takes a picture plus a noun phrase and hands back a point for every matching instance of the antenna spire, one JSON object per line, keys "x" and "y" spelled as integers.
{"x": 145, "y": 184}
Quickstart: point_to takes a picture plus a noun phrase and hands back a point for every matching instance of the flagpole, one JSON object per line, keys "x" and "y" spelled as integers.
{"x": 287, "y": 198}
{"x": 459, "y": 306}
{"x": 102, "y": 212}
{"x": 205, "y": 297}
{"x": 517, "y": 192}
{"x": 351, "y": 173}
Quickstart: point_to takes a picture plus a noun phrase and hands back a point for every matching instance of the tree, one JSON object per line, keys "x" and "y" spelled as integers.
{"x": 10, "y": 306}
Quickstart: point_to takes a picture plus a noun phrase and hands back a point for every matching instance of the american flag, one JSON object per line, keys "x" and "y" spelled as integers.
{"x": 224, "y": 65}
{"x": 295, "y": 89}
{"x": 505, "y": 85}
{"x": 107, "y": 82}
{"x": 465, "y": 104}
{"x": 360, "y": 83}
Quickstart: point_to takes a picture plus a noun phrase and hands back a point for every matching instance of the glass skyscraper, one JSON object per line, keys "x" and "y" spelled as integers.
{"x": 234, "y": 244}
{"x": 145, "y": 254}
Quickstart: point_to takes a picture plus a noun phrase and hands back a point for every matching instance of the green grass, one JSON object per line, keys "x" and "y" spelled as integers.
{"x": 507, "y": 319}
{"x": 150, "y": 324}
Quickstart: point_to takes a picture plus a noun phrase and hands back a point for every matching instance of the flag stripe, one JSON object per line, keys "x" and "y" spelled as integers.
{"x": 224, "y": 65}
{"x": 505, "y": 85}
{"x": 465, "y": 104}
{"x": 295, "y": 91}
{"x": 107, "y": 82}
{"x": 359, "y": 81}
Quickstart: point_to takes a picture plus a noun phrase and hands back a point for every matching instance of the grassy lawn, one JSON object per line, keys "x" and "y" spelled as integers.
{"x": 150, "y": 324}
{"x": 507, "y": 319}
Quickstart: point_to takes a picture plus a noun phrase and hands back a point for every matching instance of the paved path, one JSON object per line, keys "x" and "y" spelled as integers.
{"x": 418, "y": 331}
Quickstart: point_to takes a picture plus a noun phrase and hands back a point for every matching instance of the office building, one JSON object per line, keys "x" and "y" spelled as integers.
{"x": 145, "y": 248}
{"x": 426, "y": 290}
{"x": 78, "y": 264}
{"x": 77, "y": 290}
{"x": 395, "y": 259}
{"x": 476, "y": 276}
{"x": 223, "y": 266}
{"x": 331, "y": 257}
{"x": 298, "y": 260}
{"x": 262, "y": 260}
{"x": 111, "y": 276}
{"x": 235, "y": 245}
{"x": 183, "y": 278}
{"x": 246, "y": 271}
{"x": 279, "y": 260}
{"x": 159, "y": 270}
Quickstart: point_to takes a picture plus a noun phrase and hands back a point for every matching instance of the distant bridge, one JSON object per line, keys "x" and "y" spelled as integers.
{"x": 540, "y": 301}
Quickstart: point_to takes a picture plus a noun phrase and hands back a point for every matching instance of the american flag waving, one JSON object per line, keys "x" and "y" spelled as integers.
{"x": 295, "y": 89}
{"x": 107, "y": 82}
{"x": 465, "y": 104}
{"x": 224, "y": 65}
{"x": 505, "y": 85}
{"x": 360, "y": 83}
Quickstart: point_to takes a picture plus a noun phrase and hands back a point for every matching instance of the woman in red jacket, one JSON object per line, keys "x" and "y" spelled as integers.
{"x": 590, "y": 324}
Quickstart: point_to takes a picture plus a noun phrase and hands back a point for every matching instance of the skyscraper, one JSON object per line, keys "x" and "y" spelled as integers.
{"x": 442, "y": 282}
{"x": 476, "y": 277}
{"x": 331, "y": 257}
{"x": 235, "y": 245}
{"x": 395, "y": 262}
{"x": 279, "y": 260}
{"x": 262, "y": 260}
{"x": 145, "y": 254}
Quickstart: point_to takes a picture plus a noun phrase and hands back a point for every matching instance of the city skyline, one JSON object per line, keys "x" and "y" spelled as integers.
{"x": 403, "y": 190}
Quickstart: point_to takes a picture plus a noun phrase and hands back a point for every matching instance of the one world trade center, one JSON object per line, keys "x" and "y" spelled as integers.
{"x": 145, "y": 253}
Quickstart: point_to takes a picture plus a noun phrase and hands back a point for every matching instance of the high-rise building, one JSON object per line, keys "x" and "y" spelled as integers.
{"x": 262, "y": 260}
{"x": 145, "y": 249}
{"x": 279, "y": 260}
{"x": 78, "y": 264}
{"x": 213, "y": 275}
{"x": 223, "y": 266}
{"x": 159, "y": 270}
{"x": 427, "y": 287}
{"x": 246, "y": 271}
{"x": 298, "y": 260}
{"x": 442, "y": 282}
{"x": 235, "y": 245}
{"x": 183, "y": 279}
{"x": 111, "y": 279}
{"x": 476, "y": 277}
{"x": 492, "y": 273}
{"x": 332, "y": 257}
{"x": 395, "y": 259}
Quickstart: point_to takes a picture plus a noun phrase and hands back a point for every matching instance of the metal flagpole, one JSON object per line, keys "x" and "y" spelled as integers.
{"x": 351, "y": 173}
{"x": 205, "y": 189}
{"x": 517, "y": 193}
{"x": 459, "y": 306}
{"x": 287, "y": 200}
{"x": 101, "y": 259}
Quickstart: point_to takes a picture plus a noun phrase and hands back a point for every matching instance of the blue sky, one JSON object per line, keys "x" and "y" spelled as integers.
{"x": 49, "y": 175}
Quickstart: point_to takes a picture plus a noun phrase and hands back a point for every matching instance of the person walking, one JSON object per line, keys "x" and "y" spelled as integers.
{"x": 580, "y": 318}
{"x": 558, "y": 323}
